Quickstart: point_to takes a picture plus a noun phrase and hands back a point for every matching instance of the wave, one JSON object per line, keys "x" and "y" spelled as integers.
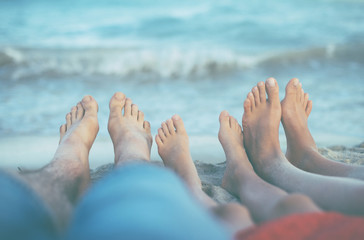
{"x": 23, "y": 63}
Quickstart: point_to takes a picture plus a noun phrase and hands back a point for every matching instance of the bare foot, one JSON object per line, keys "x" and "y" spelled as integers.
{"x": 237, "y": 162}
{"x": 295, "y": 110}
{"x": 173, "y": 147}
{"x": 129, "y": 132}
{"x": 261, "y": 124}
{"x": 77, "y": 137}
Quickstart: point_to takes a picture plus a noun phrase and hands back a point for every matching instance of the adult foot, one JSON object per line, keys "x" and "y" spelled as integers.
{"x": 237, "y": 162}
{"x": 129, "y": 132}
{"x": 78, "y": 134}
{"x": 173, "y": 147}
{"x": 261, "y": 124}
{"x": 295, "y": 110}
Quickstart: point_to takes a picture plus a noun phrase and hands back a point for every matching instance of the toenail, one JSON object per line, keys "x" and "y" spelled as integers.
{"x": 255, "y": 89}
{"x": 176, "y": 117}
{"x": 260, "y": 83}
{"x": 225, "y": 113}
{"x": 119, "y": 96}
{"x": 271, "y": 82}
{"x": 250, "y": 94}
{"x": 295, "y": 82}
{"x": 86, "y": 99}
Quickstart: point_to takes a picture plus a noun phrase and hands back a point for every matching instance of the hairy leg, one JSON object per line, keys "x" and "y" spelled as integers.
{"x": 301, "y": 148}
{"x": 264, "y": 201}
{"x": 61, "y": 183}
{"x": 173, "y": 147}
{"x": 260, "y": 124}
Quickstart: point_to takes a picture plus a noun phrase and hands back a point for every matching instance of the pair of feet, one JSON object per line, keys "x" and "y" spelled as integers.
{"x": 258, "y": 142}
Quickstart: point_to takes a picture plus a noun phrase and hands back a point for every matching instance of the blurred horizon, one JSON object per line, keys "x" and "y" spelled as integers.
{"x": 191, "y": 58}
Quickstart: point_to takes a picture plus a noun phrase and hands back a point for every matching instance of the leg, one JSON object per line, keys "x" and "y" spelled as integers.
{"x": 173, "y": 147}
{"x": 301, "y": 148}
{"x": 139, "y": 200}
{"x": 260, "y": 124}
{"x": 64, "y": 179}
{"x": 265, "y": 201}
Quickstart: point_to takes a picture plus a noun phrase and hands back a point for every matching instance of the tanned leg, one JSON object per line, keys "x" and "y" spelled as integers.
{"x": 264, "y": 201}
{"x": 61, "y": 183}
{"x": 301, "y": 148}
{"x": 260, "y": 128}
{"x": 173, "y": 147}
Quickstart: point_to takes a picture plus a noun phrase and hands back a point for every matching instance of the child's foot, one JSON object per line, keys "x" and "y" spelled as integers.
{"x": 129, "y": 132}
{"x": 237, "y": 162}
{"x": 173, "y": 147}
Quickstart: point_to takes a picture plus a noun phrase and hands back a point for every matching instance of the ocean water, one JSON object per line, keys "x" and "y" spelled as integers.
{"x": 194, "y": 58}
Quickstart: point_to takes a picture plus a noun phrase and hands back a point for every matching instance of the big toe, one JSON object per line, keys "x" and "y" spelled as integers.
{"x": 291, "y": 88}
{"x": 178, "y": 123}
{"x": 272, "y": 90}
{"x": 224, "y": 119}
{"x": 116, "y": 104}
{"x": 90, "y": 105}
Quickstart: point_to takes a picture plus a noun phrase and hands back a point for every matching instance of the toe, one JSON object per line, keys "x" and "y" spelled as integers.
{"x": 178, "y": 124}
{"x": 80, "y": 111}
{"x": 299, "y": 92}
{"x": 73, "y": 114}
{"x": 302, "y": 96}
{"x": 165, "y": 129}
{"x": 161, "y": 134}
{"x": 170, "y": 126}
{"x": 255, "y": 92}
{"x": 231, "y": 122}
{"x": 140, "y": 116}
{"x": 62, "y": 130}
{"x": 224, "y": 119}
{"x": 146, "y": 126}
{"x": 251, "y": 98}
{"x": 272, "y": 91}
{"x": 158, "y": 140}
{"x": 234, "y": 123}
{"x": 90, "y": 106}
{"x": 127, "y": 108}
{"x": 261, "y": 88}
{"x": 309, "y": 107}
{"x": 68, "y": 120}
{"x": 291, "y": 88}
{"x": 116, "y": 104}
{"x": 134, "y": 111}
{"x": 305, "y": 100}
{"x": 247, "y": 106}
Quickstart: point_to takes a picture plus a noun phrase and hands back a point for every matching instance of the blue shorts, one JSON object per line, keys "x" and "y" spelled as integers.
{"x": 136, "y": 201}
{"x": 22, "y": 213}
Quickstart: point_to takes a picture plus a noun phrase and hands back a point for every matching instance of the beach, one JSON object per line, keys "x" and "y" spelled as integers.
{"x": 173, "y": 57}
{"x": 28, "y": 153}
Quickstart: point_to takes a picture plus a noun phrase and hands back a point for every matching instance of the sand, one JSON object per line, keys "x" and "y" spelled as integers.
{"x": 32, "y": 152}
{"x": 211, "y": 173}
